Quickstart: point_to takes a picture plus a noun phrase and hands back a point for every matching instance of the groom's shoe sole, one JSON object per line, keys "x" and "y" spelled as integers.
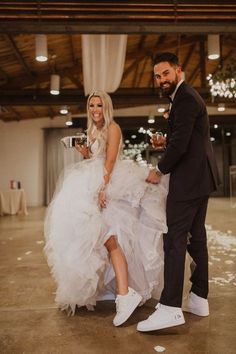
{"x": 156, "y": 328}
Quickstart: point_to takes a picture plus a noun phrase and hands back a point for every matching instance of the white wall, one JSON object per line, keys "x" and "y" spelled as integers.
{"x": 22, "y": 156}
{"x": 22, "y": 152}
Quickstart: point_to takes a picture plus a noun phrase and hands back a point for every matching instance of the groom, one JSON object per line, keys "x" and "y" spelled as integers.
{"x": 193, "y": 176}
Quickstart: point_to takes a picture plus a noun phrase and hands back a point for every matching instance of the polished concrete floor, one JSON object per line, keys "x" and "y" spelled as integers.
{"x": 31, "y": 323}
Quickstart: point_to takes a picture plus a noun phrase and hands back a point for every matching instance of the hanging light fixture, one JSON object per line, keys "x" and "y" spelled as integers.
{"x": 41, "y": 47}
{"x": 161, "y": 109}
{"x": 64, "y": 110}
{"x": 69, "y": 119}
{"x": 221, "y": 107}
{"x": 213, "y": 46}
{"x": 55, "y": 84}
{"x": 223, "y": 82}
{"x": 151, "y": 119}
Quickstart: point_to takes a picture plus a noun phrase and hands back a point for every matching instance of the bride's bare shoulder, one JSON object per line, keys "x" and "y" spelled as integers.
{"x": 114, "y": 127}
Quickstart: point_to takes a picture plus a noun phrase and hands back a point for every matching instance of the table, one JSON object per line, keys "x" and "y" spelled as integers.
{"x": 13, "y": 201}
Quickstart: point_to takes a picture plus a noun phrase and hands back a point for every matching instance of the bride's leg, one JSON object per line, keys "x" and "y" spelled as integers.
{"x": 119, "y": 264}
{"x": 127, "y": 298}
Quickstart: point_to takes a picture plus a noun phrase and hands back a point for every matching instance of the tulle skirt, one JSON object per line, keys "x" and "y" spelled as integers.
{"x": 76, "y": 230}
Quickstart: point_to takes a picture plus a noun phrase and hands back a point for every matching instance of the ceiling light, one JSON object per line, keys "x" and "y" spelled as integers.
{"x": 221, "y": 107}
{"x": 161, "y": 109}
{"x": 215, "y": 126}
{"x": 223, "y": 82}
{"x": 55, "y": 84}
{"x": 151, "y": 119}
{"x": 41, "y": 47}
{"x": 64, "y": 110}
{"x": 213, "y": 46}
{"x": 69, "y": 120}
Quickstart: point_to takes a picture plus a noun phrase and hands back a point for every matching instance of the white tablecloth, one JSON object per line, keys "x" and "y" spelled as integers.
{"x": 13, "y": 202}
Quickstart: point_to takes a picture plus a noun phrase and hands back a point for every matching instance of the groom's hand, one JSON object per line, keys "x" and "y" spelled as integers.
{"x": 154, "y": 177}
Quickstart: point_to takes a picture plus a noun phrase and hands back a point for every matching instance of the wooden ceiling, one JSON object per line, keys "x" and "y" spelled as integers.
{"x": 151, "y": 27}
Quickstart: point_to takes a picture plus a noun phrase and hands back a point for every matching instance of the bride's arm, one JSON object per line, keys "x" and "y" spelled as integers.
{"x": 112, "y": 150}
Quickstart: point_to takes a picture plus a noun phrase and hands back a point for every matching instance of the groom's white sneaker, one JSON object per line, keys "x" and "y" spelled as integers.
{"x": 196, "y": 305}
{"x": 125, "y": 306}
{"x": 163, "y": 317}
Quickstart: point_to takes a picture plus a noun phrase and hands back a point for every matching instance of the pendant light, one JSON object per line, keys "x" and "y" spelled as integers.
{"x": 41, "y": 47}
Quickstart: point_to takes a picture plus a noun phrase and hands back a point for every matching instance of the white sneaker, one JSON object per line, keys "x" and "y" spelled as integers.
{"x": 196, "y": 305}
{"x": 163, "y": 317}
{"x": 125, "y": 306}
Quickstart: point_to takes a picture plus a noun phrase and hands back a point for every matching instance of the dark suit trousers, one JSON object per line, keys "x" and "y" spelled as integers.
{"x": 186, "y": 231}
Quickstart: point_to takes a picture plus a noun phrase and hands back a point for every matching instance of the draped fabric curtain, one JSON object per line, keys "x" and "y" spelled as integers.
{"x": 103, "y": 59}
{"x": 57, "y": 157}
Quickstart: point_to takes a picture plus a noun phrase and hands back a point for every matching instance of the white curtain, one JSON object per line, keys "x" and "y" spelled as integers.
{"x": 103, "y": 59}
{"x": 57, "y": 157}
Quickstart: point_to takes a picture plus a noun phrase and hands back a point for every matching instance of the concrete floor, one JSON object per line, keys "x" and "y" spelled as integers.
{"x": 31, "y": 323}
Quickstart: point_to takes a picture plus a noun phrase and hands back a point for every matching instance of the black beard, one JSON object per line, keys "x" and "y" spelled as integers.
{"x": 168, "y": 90}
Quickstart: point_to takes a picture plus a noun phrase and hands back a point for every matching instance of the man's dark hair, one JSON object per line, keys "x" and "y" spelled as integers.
{"x": 171, "y": 58}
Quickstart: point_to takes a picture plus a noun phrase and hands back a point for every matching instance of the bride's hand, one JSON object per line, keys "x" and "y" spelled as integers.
{"x": 102, "y": 199}
{"x": 83, "y": 149}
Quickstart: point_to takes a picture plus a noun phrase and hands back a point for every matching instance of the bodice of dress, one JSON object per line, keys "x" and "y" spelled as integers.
{"x": 94, "y": 147}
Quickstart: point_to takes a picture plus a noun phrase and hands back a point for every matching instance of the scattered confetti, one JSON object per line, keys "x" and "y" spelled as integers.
{"x": 40, "y": 242}
{"x": 215, "y": 259}
{"x": 159, "y": 349}
{"x": 19, "y": 258}
{"x": 229, "y": 262}
{"x": 28, "y": 252}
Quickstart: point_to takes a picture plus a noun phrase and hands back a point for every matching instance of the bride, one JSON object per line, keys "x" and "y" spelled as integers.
{"x": 104, "y": 226}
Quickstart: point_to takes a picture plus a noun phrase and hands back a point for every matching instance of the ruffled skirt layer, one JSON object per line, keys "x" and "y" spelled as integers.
{"x": 76, "y": 230}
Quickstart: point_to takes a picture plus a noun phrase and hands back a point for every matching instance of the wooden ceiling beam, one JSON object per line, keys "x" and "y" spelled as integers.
{"x": 121, "y": 98}
{"x": 141, "y": 72}
{"x": 11, "y": 43}
{"x": 17, "y": 26}
{"x": 44, "y": 77}
{"x": 202, "y": 63}
{"x": 164, "y": 16}
{"x": 223, "y": 60}
{"x": 188, "y": 56}
{"x": 50, "y": 112}
{"x": 16, "y": 114}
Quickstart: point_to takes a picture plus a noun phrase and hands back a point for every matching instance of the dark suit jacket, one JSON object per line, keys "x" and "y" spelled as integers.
{"x": 189, "y": 156}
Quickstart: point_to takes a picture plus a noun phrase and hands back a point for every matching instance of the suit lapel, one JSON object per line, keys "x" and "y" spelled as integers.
{"x": 171, "y": 113}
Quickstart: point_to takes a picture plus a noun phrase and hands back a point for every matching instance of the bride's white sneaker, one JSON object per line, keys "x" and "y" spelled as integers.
{"x": 196, "y": 305}
{"x": 163, "y": 317}
{"x": 125, "y": 306}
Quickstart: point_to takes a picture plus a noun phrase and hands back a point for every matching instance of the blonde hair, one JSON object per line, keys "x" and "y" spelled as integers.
{"x": 107, "y": 107}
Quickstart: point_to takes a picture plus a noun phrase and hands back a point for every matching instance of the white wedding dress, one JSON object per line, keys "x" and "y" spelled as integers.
{"x": 76, "y": 230}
